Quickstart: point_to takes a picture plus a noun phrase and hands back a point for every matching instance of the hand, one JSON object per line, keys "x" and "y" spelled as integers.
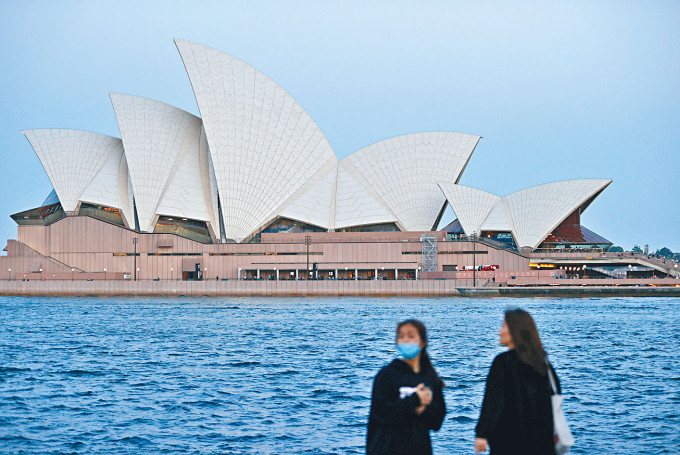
{"x": 424, "y": 393}
{"x": 481, "y": 445}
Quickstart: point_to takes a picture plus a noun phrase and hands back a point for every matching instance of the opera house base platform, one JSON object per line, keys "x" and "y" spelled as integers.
{"x": 420, "y": 288}
{"x": 81, "y": 255}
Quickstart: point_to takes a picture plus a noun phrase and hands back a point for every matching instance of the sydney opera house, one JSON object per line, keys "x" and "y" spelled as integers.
{"x": 253, "y": 189}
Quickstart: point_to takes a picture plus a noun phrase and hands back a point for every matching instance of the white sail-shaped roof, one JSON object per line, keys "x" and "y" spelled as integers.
{"x": 471, "y": 206}
{"x": 404, "y": 171}
{"x": 264, "y": 146}
{"x": 356, "y": 202}
{"x": 536, "y": 211}
{"x": 530, "y": 214}
{"x": 498, "y": 219}
{"x": 162, "y": 145}
{"x": 72, "y": 159}
{"x": 315, "y": 200}
{"x": 111, "y": 187}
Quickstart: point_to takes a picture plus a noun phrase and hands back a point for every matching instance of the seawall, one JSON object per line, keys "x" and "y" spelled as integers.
{"x": 369, "y": 288}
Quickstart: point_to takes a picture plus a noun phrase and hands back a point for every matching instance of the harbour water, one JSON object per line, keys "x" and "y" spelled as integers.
{"x": 293, "y": 376}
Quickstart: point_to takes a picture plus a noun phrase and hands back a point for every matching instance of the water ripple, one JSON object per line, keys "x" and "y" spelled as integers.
{"x": 272, "y": 376}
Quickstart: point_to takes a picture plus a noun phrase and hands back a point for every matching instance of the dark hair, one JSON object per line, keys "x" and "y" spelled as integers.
{"x": 425, "y": 361}
{"x": 526, "y": 340}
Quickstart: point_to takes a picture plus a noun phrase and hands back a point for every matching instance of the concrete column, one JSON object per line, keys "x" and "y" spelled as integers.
{"x": 356, "y": 274}
{"x": 416, "y": 274}
{"x": 277, "y": 274}
{"x": 396, "y": 274}
{"x": 336, "y": 274}
{"x": 296, "y": 274}
{"x": 258, "y": 274}
{"x": 375, "y": 277}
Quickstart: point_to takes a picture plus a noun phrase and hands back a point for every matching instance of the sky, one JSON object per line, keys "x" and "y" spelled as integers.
{"x": 557, "y": 90}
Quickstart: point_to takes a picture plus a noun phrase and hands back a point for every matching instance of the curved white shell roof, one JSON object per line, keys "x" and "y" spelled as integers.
{"x": 404, "y": 171}
{"x": 498, "y": 219}
{"x": 530, "y": 214}
{"x": 72, "y": 159}
{"x": 472, "y": 206}
{"x": 263, "y": 144}
{"x": 162, "y": 148}
{"x": 357, "y": 203}
{"x": 536, "y": 211}
{"x": 262, "y": 156}
{"x": 112, "y": 187}
{"x": 315, "y": 200}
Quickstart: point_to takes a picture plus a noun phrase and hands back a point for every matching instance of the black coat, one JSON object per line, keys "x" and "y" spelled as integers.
{"x": 394, "y": 427}
{"x": 516, "y": 415}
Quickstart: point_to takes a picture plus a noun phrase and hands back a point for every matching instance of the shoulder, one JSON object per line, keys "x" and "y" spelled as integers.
{"x": 505, "y": 357}
{"x": 388, "y": 370}
{"x": 504, "y": 360}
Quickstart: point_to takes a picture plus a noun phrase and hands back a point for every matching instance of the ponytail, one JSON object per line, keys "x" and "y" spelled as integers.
{"x": 426, "y": 363}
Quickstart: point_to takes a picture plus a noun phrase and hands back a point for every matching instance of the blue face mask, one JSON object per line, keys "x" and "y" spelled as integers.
{"x": 408, "y": 350}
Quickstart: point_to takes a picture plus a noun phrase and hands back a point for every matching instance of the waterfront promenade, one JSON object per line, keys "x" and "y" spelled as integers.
{"x": 368, "y": 288}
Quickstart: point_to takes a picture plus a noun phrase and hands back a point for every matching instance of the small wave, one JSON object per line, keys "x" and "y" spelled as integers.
{"x": 138, "y": 441}
{"x": 462, "y": 419}
{"x": 79, "y": 373}
{"x": 243, "y": 364}
{"x": 13, "y": 369}
{"x": 205, "y": 403}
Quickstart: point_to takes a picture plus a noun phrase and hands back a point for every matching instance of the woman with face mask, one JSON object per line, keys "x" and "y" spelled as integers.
{"x": 516, "y": 415}
{"x": 407, "y": 400}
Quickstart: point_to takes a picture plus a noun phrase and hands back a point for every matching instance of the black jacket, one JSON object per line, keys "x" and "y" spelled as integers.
{"x": 394, "y": 427}
{"x": 516, "y": 415}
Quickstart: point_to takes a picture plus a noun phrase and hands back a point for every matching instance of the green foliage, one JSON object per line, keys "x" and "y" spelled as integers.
{"x": 636, "y": 249}
{"x": 665, "y": 252}
{"x": 616, "y": 249}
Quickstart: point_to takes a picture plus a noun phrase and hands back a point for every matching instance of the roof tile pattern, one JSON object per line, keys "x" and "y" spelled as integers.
{"x": 264, "y": 146}
{"x": 111, "y": 187}
{"x": 472, "y": 206}
{"x": 405, "y": 170}
{"x": 356, "y": 203}
{"x": 314, "y": 205}
{"x": 530, "y": 214}
{"x": 72, "y": 159}
{"x": 498, "y": 220}
{"x": 155, "y": 136}
{"x": 536, "y": 211}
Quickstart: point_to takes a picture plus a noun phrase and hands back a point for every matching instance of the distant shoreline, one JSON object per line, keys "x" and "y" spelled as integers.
{"x": 413, "y": 288}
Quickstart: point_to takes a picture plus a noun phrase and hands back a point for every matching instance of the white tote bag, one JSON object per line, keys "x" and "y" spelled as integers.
{"x": 563, "y": 437}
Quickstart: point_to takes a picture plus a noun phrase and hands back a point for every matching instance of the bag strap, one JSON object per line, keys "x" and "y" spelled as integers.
{"x": 553, "y": 384}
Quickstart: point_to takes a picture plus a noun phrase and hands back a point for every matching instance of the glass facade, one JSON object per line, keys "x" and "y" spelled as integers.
{"x": 381, "y": 227}
{"x": 286, "y": 226}
{"x": 41, "y": 216}
{"x": 184, "y": 227}
{"x": 108, "y": 214}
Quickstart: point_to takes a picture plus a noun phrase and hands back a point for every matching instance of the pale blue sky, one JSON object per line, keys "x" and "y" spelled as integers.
{"x": 558, "y": 90}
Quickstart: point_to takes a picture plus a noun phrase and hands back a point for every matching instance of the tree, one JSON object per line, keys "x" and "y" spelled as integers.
{"x": 636, "y": 249}
{"x": 665, "y": 252}
{"x": 616, "y": 249}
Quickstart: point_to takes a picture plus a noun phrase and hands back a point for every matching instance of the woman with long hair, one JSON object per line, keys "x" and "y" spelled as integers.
{"x": 407, "y": 400}
{"x": 516, "y": 415}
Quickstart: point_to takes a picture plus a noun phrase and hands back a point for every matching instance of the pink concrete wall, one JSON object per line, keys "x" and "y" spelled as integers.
{"x": 91, "y": 245}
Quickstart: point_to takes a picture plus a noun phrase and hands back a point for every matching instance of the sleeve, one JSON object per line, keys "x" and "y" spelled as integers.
{"x": 494, "y": 400}
{"x": 557, "y": 380}
{"x": 390, "y": 410}
{"x": 433, "y": 416}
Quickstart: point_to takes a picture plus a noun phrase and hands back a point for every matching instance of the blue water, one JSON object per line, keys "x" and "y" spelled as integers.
{"x": 245, "y": 375}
